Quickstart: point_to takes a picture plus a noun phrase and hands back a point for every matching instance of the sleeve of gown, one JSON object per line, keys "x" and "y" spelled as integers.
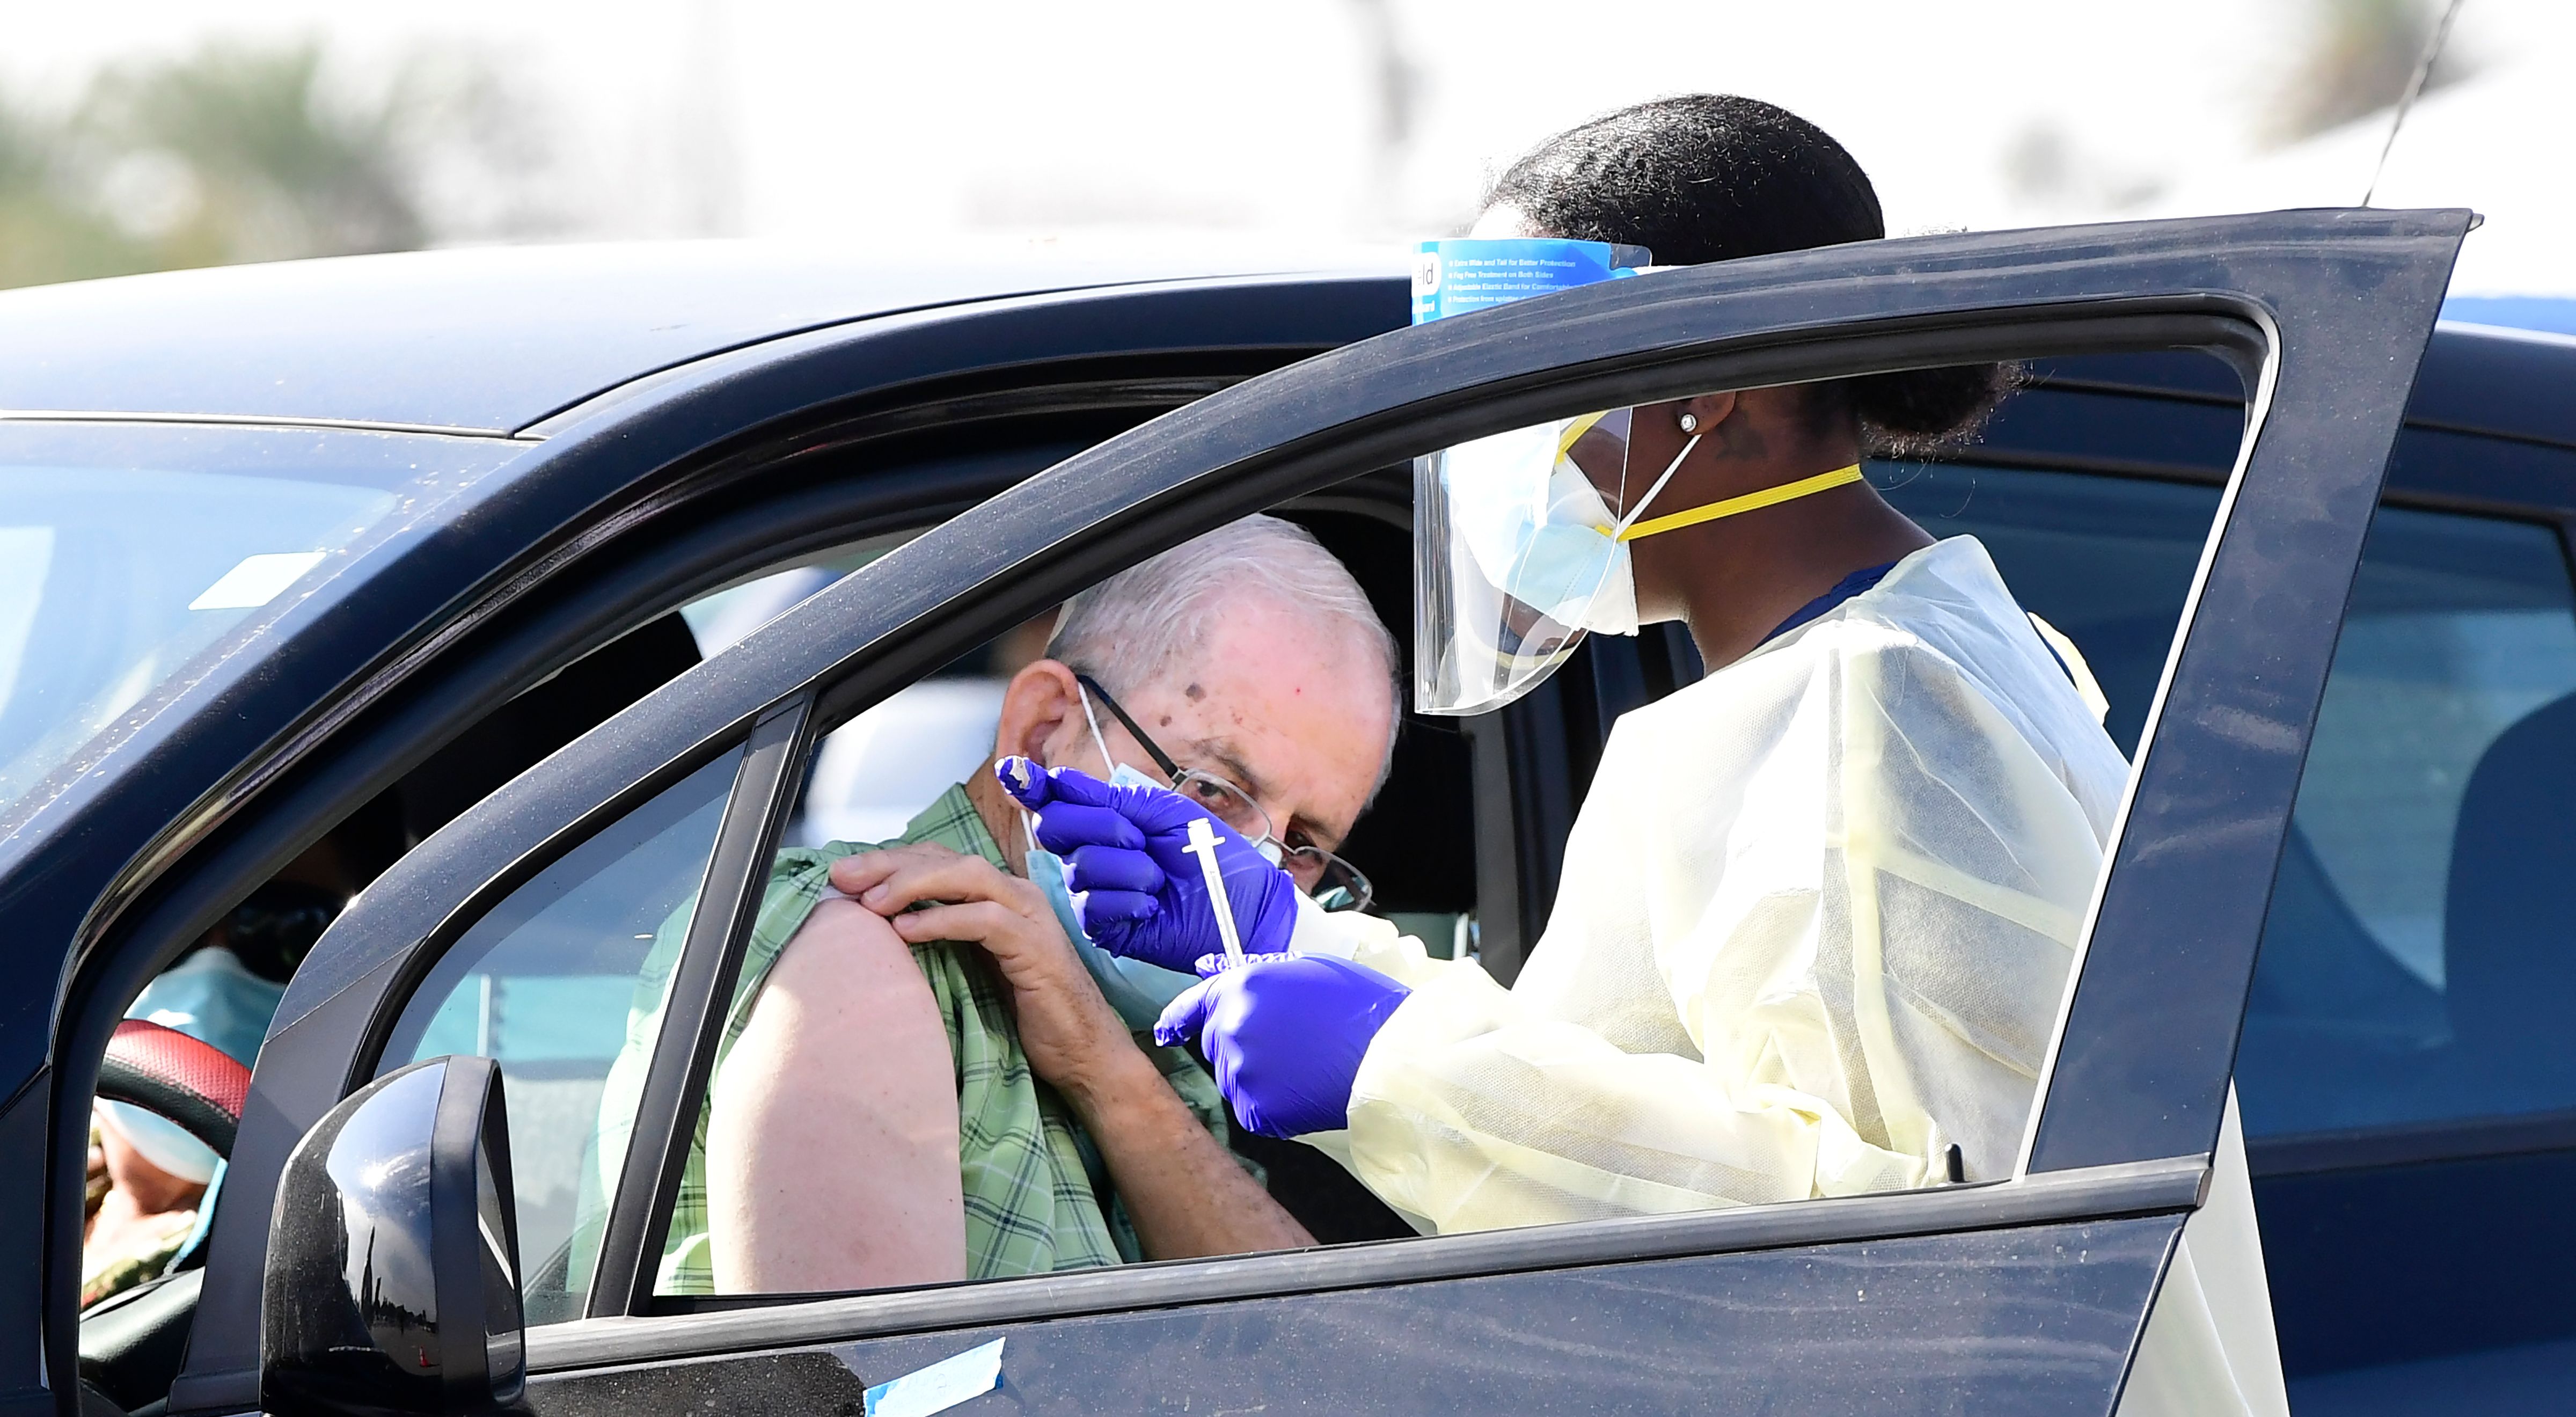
{"x": 1813, "y": 929}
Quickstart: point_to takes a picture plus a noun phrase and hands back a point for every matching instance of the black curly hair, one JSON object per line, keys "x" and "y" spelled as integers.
{"x": 1712, "y": 177}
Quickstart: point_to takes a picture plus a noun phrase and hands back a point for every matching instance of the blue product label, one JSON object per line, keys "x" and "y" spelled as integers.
{"x": 1456, "y": 276}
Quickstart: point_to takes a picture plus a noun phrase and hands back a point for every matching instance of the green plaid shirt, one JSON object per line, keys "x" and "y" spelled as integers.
{"x": 1034, "y": 1184}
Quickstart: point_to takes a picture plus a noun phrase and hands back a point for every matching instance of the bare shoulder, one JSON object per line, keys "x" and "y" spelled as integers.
{"x": 845, "y": 1007}
{"x": 846, "y": 954}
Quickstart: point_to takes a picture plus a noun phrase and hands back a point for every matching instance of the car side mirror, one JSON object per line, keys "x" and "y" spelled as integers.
{"x": 393, "y": 1255}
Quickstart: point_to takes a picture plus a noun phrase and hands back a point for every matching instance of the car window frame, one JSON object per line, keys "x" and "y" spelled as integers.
{"x": 1150, "y": 489}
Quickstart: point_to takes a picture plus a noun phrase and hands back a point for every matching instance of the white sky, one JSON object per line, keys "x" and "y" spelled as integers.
{"x": 888, "y": 122}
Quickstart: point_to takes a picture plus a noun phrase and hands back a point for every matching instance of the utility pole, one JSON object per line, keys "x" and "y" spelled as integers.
{"x": 1391, "y": 85}
{"x": 707, "y": 167}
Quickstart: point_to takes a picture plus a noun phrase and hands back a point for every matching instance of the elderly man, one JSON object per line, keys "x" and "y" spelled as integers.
{"x": 923, "y": 1082}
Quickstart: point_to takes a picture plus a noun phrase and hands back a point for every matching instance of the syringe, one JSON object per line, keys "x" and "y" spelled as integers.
{"x": 1203, "y": 846}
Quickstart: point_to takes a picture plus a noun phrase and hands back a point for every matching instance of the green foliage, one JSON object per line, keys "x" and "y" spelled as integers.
{"x": 235, "y": 153}
{"x": 2359, "y": 58}
{"x": 46, "y": 234}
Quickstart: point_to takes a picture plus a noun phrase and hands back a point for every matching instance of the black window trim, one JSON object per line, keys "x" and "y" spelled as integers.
{"x": 1133, "y": 530}
{"x": 2466, "y": 1138}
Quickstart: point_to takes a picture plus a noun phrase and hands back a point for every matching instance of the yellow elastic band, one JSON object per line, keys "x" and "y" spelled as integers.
{"x": 1749, "y": 502}
{"x": 1574, "y": 430}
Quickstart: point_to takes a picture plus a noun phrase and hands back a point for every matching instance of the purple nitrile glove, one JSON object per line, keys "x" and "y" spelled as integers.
{"x": 1140, "y": 892}
{"x": 1285, "y": 1034}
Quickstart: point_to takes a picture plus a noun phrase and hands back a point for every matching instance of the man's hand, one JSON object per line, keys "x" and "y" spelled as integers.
{"x": 1073, "y": 1038}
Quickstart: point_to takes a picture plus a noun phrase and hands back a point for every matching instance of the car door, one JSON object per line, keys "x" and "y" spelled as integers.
{"x": 2025, "y": 1293}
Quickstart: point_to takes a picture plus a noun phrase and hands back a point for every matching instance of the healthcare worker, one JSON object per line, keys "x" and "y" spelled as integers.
{"x": 1819, "y": 911}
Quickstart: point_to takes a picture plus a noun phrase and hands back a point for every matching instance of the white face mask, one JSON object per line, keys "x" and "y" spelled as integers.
{"x": 1138, "y": 991}
{"x": 1046, "y": 868}
{"x": 1573, "y": 568}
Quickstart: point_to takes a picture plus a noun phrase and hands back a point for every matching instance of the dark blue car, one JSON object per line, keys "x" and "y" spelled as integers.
{"x": 541, "y": 595}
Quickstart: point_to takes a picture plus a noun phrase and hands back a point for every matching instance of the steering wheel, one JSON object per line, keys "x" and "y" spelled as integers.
{"x": 166, "y": 1072}
{"x": 131, "y": 1343}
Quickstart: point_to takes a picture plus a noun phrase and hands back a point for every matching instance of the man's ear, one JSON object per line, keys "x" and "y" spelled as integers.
{"x": 1041, "y": 703}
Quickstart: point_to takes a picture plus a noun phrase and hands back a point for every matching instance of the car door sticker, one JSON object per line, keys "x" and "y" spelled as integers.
{"x": 940, "y": 1386}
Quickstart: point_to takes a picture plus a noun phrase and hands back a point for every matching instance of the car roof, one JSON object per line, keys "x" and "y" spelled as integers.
{"x": 2507, "y": 383}
{"x": 2546, "y": 314}
{"x": 494, "y": 339}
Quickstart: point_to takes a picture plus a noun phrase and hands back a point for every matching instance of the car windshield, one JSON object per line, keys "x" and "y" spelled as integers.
{"x": 133, "y": 557}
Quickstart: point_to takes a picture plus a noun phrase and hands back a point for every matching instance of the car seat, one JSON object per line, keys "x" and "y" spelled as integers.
{"x": 2511, "y": 962}
{"x": 2337, "y": 1032}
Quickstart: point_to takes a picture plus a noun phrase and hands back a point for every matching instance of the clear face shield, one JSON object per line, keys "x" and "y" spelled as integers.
{"x": 1516, "y": 551}
{"x": 1517, "y": 555}
{"x": 1522, "y": 544}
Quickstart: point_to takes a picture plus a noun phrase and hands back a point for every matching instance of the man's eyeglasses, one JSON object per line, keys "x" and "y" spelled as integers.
{"x": 1334, "y": 883}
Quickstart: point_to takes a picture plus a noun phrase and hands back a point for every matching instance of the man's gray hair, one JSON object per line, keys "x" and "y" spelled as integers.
{"x": 1150, "y": 620}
